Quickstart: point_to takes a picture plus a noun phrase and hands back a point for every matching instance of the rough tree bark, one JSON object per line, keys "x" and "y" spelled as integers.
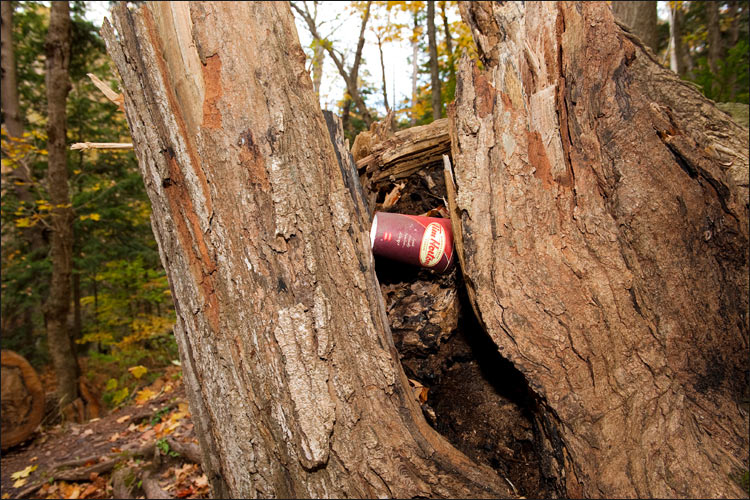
{"x": 57, "y": 306}
{"x": 437, "y": 100}
{"x": 602, "y": 212}
{"x": 293, "y": 379}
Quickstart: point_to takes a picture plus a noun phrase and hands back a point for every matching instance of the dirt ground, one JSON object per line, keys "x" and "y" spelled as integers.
{"x": 92, "y": 445}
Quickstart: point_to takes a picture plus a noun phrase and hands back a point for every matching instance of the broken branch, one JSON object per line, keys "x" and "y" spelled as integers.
{"x": 102, "y": 145}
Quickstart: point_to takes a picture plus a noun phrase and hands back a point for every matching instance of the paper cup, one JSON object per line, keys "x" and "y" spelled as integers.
{"x": 420, "y": 241}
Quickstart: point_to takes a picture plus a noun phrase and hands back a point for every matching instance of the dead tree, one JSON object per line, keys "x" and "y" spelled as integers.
{"x": 293, "y": 380}
{"x": 602, "y": 212}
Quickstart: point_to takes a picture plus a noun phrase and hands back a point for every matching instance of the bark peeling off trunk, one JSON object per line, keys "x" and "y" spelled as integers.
{"x": 604, "y": 214}
{"x": 292, "y": 375}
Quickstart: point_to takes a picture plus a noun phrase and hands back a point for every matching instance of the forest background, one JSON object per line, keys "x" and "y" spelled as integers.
{"x": 118, "y": 314}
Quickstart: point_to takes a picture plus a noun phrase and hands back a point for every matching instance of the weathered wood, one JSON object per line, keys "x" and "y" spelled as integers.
{"x": 391, "y": 156}
{"x": 603, "y": 206}
{"x": 22, "y": 399}
{"x": 294, "y": 383}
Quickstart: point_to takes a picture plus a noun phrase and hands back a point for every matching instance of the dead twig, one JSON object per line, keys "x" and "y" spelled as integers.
{"x": 190, "y": 451}
{"x": 101, "y": 145}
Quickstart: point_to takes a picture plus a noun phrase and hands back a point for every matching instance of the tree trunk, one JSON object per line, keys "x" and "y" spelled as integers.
{"x": 382, "y": 69}
{"x": 602, "y": 228}
{"x": 318, "y": 60}
{"x": 414, "y": 70}
{"x": 714, "y": 43}
{"x": 448, "y": 43}
{"x": 11, "y": 108}
{"x": 20, "y": 177}
{"x": 294, "y": 383}
{"x": 641, "y": 17}
{"x": 677, "y": 55}
{"x": 13, "y": 121}
{"x": 437, "y": 100}
{"x": 57, "y": 47}
{"x": 733, "y": 13}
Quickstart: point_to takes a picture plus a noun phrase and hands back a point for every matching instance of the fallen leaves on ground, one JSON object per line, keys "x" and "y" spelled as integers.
{"x": 24, "y": 473}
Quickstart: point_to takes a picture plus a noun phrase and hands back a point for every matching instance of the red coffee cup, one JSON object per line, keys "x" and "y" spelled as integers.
{"x": 413, "y": 239}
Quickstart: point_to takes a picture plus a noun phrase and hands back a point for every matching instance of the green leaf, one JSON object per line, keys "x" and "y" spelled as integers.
{"x": 120, "y": 395}
{"x": 111, "y": 385}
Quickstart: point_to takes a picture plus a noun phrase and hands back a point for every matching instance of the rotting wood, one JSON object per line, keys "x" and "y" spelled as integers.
{"x": 389, "y": 157}
{"x": 603, "y": 204}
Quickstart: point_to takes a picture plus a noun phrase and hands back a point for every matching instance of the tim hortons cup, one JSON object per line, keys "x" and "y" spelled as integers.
{"x": 413, "y": 239}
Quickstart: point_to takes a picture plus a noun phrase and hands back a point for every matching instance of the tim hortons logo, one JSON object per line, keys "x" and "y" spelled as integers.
{"x": 433, "y": 245}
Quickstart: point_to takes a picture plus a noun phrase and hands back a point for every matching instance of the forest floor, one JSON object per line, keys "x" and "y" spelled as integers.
{"x": 71, "y": 460}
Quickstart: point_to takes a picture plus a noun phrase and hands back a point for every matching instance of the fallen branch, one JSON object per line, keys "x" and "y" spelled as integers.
{"x": 151, "y": 487}
{"x": 190, "y": 451}
{"x": 101, "y": 145}
{"x": 107, "y": 91}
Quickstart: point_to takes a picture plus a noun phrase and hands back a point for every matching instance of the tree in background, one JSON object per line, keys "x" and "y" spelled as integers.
{"x": 715, "y": 35}
{"x": 386, "y": 30}
{"x": 640, "y": 16}
{"x": 57, "y": 49}
{"x": 351, "y": 74}
{"x": 437, "y": 102}
{"x": 678, "y": 60}
{"x": 119, "y": 302}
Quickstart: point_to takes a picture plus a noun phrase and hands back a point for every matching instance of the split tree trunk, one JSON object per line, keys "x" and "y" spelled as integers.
{"x": 602, "y": 215}
{"x": 294, "y": 383}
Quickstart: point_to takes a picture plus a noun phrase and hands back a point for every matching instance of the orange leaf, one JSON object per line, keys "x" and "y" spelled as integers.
{"x": 185, "y": 492}
{"x": 89, "y": 491}
{"x": 392, "y": 197}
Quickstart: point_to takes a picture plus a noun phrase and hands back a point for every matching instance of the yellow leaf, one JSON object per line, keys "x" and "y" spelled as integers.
{"x": 6, "y": 495}
{"x": 95, "y": 216}
{"x": 144, "y": 395}
{"x": 24, "y": 473}
{"x": 19, "y": 483}
{"x": 138, "y": 371}
{"x": 24, "y": 222}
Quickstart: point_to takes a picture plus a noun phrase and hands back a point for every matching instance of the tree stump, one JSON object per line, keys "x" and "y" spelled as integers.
{"x": 22, "y": 399}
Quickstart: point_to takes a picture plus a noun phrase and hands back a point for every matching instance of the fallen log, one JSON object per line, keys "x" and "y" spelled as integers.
{"x": 22, "y": 399}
